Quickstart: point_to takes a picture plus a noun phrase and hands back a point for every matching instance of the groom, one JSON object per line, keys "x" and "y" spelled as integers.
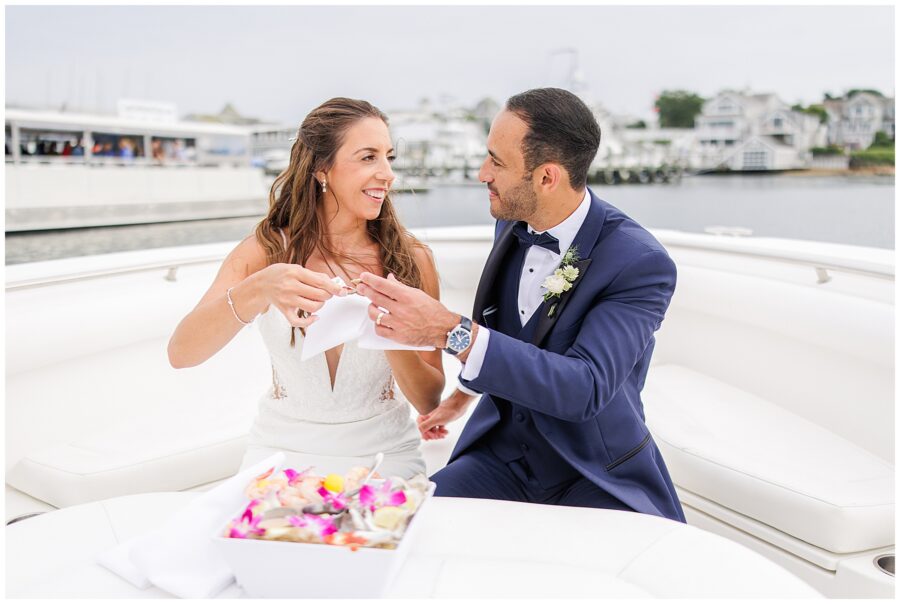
{"x": 562, "y": 329}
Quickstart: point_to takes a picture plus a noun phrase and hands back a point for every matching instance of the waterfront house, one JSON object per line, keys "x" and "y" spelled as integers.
{"x": 749, "y": 132}
{"x": 853, "y": 120}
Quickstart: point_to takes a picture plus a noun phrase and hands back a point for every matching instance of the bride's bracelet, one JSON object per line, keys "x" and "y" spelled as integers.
{"x": 233, "y": 311}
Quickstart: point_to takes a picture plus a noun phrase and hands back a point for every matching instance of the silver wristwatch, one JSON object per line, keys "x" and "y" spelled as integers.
{"x": 460, "y": 337}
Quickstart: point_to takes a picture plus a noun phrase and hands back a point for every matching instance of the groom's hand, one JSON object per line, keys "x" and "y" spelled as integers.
{"x": 413, "y": 317}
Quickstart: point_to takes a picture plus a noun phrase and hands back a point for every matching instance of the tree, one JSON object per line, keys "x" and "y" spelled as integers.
{"x": 637, "y": 125}
{"x": 856, "y": 91}
{"x": 818, "y": 110}
{"x": 678, "y": 108}
{"x": 882, "y": 140}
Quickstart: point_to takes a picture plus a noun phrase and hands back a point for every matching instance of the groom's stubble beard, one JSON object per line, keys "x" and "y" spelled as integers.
{"x": 519, "y": 203}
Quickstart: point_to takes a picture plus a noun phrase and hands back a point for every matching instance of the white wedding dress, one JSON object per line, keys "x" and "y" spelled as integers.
{"x": 332, "y": 430}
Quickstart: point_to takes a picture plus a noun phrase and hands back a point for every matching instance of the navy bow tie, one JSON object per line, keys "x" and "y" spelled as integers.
{"x": 544, "y": 240}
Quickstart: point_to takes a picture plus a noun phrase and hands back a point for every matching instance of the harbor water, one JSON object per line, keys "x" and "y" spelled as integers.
{"x": 855, "y": 210}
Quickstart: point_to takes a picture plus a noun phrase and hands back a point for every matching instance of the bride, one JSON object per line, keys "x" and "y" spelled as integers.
{"x": 330, "y": 215}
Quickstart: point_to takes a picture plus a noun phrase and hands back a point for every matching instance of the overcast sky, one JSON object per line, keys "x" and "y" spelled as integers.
{"x": 279, "y": 62}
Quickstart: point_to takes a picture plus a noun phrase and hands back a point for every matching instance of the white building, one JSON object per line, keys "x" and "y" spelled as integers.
{"x": 142, "y": 165}
{"x": 655, "y": 146}
{"x": 853, "y": 121}
{"x": 741, "y": 131}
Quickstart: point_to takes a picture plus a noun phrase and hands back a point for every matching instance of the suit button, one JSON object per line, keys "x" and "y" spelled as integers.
{"x": 524, "y": 448}
{"x": 520, "y": 417}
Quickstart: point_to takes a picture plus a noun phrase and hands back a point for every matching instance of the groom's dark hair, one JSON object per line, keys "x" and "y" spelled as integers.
{"x": 561, "y": 129}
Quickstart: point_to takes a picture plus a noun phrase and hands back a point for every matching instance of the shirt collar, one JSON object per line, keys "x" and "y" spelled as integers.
{"x": 566, "y": 230}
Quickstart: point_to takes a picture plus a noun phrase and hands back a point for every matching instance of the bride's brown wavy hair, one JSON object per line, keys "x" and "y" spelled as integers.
{"x": 296, "y": 199}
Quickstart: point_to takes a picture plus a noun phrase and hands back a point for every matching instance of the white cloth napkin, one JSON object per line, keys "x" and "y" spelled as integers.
{"x": 343, "y": 319}
{"x": 179, "y": 557}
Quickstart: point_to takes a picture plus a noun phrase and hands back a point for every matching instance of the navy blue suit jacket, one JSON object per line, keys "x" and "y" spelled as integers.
{"x": 582, "y": 374}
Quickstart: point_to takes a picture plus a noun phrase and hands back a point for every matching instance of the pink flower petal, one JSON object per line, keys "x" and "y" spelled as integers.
{"x": 325, "y": 526}
{"x": 367, "y": 496}
{"x": 322, "y": 526}
{"x": 336, "y": 500}
{"x": 398, "y": 498}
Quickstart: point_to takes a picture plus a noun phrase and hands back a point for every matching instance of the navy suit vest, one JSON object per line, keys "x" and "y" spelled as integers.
{"x": 516, "y": 436}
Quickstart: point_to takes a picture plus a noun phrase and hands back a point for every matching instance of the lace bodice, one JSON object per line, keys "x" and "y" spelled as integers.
{"x": 363, "y": 387}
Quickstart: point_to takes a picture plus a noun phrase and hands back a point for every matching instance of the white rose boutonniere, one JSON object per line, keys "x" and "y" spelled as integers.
{"x": 562, "y": 278}
{"x": 555, "y": 284}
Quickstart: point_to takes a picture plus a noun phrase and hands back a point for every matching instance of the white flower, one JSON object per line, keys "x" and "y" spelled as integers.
{"x": 570, "y": 273}
{"x": 562, "y": 278}
{"x": 556, "y": 284}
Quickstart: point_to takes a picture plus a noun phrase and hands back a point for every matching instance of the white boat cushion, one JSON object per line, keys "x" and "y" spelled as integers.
{"x": 756, "y": 458}
{"x": 159, "y": 453}
{"x": 139, "y": 458}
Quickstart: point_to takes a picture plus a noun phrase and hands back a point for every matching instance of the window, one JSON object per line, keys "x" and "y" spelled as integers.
{"x": 50, "y": 143}
{"x": 123, "y": 146}
{"x": 167, "y": 149}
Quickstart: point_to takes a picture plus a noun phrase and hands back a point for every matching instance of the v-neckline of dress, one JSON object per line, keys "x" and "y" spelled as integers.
{"x": 337, "y": 371}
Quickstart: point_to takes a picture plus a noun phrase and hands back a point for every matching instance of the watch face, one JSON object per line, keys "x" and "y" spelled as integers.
{"x": 459, "y": 339}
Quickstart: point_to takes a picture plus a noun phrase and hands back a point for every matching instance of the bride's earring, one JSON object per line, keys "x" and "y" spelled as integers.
{"x": 324, "y": 186}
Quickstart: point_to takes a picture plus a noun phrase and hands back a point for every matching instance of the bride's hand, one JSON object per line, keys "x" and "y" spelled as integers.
{"x": 295, "y": 290}
{"x": 432, "y": 426}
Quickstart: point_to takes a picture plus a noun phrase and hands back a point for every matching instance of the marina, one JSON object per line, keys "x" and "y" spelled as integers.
{"x": 856, "y": 210}
{"x": 145, "y": 164}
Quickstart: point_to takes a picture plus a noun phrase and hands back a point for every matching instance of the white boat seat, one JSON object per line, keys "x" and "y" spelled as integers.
{"x": 144, "y": 457}
{"x": 758, "y": 459}
{"x": 170, "y": 449}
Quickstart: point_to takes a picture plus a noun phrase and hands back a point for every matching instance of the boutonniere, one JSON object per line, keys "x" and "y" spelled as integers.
{"x": 562, "y": 278}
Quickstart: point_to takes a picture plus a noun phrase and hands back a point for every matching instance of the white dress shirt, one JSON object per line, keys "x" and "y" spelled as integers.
{"x": 539, "y": 264}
